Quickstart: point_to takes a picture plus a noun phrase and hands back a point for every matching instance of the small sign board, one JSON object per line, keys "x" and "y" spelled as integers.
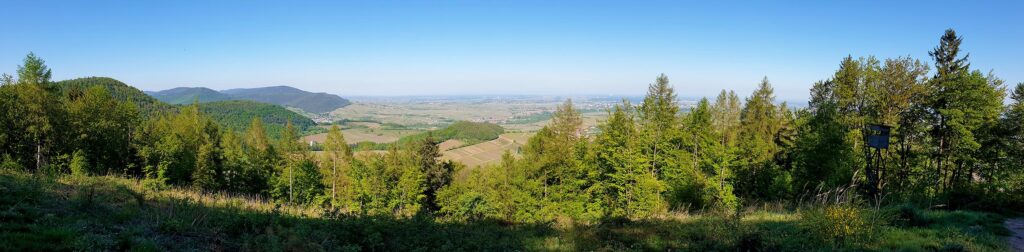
{"x": 878, "y": 136}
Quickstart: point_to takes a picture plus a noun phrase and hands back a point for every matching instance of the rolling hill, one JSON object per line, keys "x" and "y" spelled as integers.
{"x": 147, "y": 104}
{"x": 186, "y": 95}
{"x": 235, "y": 115}
{"x": 291, "y": 97}
{"x": 278, "y": 95}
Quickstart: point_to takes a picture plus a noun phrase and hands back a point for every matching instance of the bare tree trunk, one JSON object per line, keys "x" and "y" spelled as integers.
{"x": 334, "y": 182}
{"x": 39, "y": 154}
{"x": 291, "y": 183}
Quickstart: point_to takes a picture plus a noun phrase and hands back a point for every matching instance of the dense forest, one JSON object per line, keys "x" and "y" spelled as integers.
{"x": 237, "y": 115}
{"x": 954, "y": 145}
{"x": 290, "y": 97}
{"x": 188, "y": 95}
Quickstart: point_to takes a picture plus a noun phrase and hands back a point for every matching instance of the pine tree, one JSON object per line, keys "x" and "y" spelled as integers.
{"x": 759, "y": 124}
{"x": 627, "y": 188}
{"x": 658, "y": 121}
{"x": 340, "y": 156}
{"x": 710, "y": 167}
{"x": 293, "y": 156}
{"x": 824, "y": 157}
{"x": 262, "y": 157}
{"x": 437, "y": 174}
{"x": 963, "y": 103}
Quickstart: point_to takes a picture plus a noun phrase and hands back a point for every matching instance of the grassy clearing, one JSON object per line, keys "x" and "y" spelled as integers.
{"x": 109, "y": 213}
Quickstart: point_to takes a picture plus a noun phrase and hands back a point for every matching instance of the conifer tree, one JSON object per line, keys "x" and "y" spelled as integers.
{"x": 759, "y": 124}
{"x": 629, "y": 190}
{"x": 962, "y": 103}
{"x": 340, "y": 158}
{"x": 659, "y": 124}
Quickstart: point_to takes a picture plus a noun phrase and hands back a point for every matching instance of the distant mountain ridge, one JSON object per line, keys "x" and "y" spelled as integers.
{"x": 186, "y": 95}
{"x": 278, "y": 95}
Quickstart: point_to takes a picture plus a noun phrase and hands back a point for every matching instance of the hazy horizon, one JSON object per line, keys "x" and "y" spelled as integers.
{"x": 477, "y": 48}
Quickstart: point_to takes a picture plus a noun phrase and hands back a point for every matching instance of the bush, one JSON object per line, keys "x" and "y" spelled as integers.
{"x": 9, "y": 164}
{"x": 838, "y": 224}
{"x": 79, "y": 165}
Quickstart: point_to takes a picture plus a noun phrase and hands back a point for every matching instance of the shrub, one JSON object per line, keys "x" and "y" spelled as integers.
{"x": 79, "y": 165}
{"x": 8, "y": 163}
{"x": 838, "y": 224}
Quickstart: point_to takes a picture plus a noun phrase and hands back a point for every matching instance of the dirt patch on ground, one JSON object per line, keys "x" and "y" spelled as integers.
{"x": 1016, "y": 239}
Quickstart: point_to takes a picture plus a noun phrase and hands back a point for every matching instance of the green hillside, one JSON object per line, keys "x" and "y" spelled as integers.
{"x": 291, "y": 97}
{"x": 237, "y": 115}
{"x": 187, "y": 95}
{"x": 146, "y": 104}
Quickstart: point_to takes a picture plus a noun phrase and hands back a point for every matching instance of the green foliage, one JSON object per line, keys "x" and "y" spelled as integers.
{"x": 389, "y": 184}
{"x": 630, "y": 186}
{"x": 79, "y": 165}
{"x": 338, "y": 160}
{"x": 145, "y": 104}
{"x": 760, "y": 171}
{"x": 237, "y": 116}
{"x": 300, "y": 182}
{"x": 625, "y": 187}
{"x": 102, "y": 127}
{"x": 469, "y": 132}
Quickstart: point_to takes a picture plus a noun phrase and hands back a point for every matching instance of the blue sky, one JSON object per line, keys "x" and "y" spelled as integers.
{"x": 495, "y": 47}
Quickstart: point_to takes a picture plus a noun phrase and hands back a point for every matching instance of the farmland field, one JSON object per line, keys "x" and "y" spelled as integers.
{"x": 514, "y": 113}
{"x": 489, "y": 152}
{"x": 356, "y": 132}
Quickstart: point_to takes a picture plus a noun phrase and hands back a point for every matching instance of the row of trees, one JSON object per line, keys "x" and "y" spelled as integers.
{"x": 53, "y": 129}
{"x": 953, "y": 141}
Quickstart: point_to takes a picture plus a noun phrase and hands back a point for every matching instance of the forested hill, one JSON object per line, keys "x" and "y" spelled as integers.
{"x": 278, "y": 95}
{"x": 291, "y": 97}
{"x": 238, "y": 115}
{"x": 146, "y": 104}
{"x": 187, "y": 95}
{"x": 235, "y": 115}
{"x": 468, "y": 132}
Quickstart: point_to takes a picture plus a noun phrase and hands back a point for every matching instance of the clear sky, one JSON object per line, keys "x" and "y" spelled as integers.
{"x": 495, "y": 47}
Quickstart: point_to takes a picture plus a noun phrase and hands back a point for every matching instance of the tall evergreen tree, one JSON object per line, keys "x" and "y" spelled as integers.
{"x": 963, "y": 103}
{"x": 659, "y": 124}
{"x": 824, "y": 159}
{"x": 628, "y": 189}
{"x": 759, "y": 125}
{"x": 340, "y": 159}
{"x": 438, "y": 174}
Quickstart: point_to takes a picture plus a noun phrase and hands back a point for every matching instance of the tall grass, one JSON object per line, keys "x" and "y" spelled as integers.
{"x": 111, "y": 213}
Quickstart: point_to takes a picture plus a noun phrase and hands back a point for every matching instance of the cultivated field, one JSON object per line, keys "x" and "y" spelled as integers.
{"x": 522, "y": 114}
{"x": 489, "y": 152}
{"x": 356, "y": 132}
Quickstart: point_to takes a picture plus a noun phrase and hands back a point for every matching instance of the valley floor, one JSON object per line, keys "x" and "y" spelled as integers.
{"x": 109, "y": 213}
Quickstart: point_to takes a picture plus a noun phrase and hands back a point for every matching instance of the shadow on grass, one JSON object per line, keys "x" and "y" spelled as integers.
{"x": 102, "y": 213}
